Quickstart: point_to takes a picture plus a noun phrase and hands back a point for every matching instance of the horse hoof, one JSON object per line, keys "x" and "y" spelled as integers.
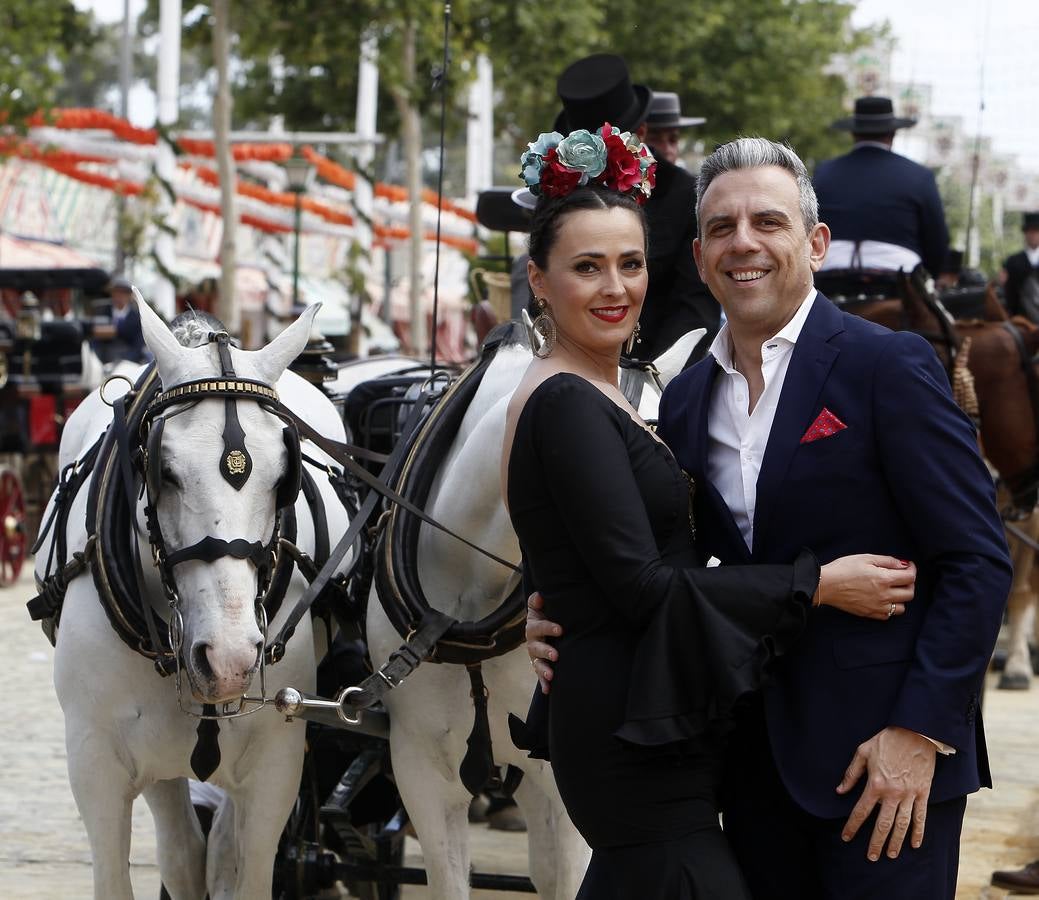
{"x": 1015, "y": 682}
{"x": 508, "y": 818}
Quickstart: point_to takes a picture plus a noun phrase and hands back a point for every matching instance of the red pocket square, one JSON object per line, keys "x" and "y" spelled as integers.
{"x": 825, "y": 425}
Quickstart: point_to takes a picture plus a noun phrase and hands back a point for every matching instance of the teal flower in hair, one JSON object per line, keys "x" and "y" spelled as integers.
{"x": 583, "y": 152}
{"x": 533, "y": 159}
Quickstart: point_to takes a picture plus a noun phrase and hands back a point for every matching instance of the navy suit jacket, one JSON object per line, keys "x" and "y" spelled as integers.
{"x": 903, "y": 478}
{"x": 871, "y": 194}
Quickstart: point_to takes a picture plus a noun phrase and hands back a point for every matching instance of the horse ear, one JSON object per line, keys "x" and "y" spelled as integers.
{"x": 670, "y": 362}
{"x": 160, "y": 340}
{"x": 272, "y": 360}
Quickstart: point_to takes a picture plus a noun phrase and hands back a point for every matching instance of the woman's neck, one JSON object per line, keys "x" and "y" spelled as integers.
{"x": 593, "y": 364}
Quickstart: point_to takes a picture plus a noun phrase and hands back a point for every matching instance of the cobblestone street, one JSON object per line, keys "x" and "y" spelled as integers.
{"x": 44, "y": 851}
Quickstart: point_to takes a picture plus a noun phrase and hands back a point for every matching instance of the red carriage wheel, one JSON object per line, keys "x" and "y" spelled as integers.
{"x": 13, "y": 539}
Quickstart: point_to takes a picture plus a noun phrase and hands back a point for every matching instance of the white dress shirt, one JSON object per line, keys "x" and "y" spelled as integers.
{"x": 1033, "y": 255}
{"x": 736, "y": 438}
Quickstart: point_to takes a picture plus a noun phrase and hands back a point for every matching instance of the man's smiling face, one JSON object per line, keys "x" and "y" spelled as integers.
{"x": 753, "y": 251}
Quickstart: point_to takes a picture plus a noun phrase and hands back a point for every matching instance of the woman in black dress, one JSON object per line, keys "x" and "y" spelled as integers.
{"x": 656, "y": 649}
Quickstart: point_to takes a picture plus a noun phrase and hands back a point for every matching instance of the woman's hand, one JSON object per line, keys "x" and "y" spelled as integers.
{"x": 875, "y": 587}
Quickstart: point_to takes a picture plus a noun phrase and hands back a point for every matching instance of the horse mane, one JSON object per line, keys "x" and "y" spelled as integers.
{"x": 193, "y": 327}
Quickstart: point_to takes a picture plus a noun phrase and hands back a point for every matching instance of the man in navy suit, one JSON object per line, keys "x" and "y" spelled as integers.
{"x": 807, "y": 427}
{"x": 883, "y": 210}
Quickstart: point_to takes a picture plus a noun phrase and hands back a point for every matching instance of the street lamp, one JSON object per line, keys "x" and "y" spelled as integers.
{"x": 299, "y": 174}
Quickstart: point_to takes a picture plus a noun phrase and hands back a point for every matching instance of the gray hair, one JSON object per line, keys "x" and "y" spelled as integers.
{"x": 754, "y": 153}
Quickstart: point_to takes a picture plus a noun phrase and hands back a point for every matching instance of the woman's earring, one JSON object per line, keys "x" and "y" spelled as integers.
{"x": 545, "y": 328}
{"x": 633, "y": 339}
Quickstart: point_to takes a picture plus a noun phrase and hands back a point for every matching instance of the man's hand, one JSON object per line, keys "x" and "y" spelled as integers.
{"x": 899, "y": 765}
{"x": 538, "y": 629}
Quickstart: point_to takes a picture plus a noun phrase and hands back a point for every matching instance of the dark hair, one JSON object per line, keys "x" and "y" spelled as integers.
{"x": 549, "y": 212}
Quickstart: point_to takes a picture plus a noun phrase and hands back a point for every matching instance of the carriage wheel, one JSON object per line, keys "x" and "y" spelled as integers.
{"x": 13, "y": 539}
{"x": 39, "y": 477}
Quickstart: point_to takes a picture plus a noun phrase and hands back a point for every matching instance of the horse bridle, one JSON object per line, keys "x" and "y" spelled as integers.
{"x": 235, "y": 467}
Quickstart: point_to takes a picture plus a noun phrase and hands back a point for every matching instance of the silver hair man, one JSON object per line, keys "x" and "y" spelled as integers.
{"x": 754, "y": 153}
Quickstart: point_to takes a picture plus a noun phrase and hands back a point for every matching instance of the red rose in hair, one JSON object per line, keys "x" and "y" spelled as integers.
{"x": 622, "y": 172}
{"x": 556, "y": 179}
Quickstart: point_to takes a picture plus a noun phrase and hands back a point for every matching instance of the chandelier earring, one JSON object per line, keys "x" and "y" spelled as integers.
{"x": 633, "y": 339}
{"x": 545, "y": 328}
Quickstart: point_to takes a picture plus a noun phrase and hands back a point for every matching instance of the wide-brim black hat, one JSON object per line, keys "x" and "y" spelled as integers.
{"x": 1030, "y": 221}
{"x": 598, "y": 89}
{"x": 666, "y": 112}
{"x": 873, "y": 115}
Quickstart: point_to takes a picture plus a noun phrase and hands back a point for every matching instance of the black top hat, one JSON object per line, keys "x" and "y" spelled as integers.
{"x": 666, "y": 112}
{"x": 598, "y": 89}
{"x": 873, "y": 115}
{"x": 1030, "y": 221}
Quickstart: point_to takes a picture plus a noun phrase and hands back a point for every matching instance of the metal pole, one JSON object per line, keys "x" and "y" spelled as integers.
{"x": 124, "y": 111}
{"x": 295, "y": 256}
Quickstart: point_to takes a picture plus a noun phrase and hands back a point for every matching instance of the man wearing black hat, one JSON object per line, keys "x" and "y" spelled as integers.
{"x": 663, "y": 124}
{"x": 883, "y": 209}
{"x": 1020, "y": 275}
{"x": 598, "y": 89}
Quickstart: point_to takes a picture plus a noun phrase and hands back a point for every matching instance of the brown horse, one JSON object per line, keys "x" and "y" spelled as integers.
{"x": 989, "y": 360}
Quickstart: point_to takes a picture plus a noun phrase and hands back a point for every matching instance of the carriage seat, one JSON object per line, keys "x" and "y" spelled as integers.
{"x": 856, "y": 285}
{"x": 965, "y": 302}
{"x": 372, "y": 411}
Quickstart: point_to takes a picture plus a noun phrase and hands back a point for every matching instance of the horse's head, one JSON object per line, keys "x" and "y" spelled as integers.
{"x": 221, "y": 463}
{"x": 654, "y": 377}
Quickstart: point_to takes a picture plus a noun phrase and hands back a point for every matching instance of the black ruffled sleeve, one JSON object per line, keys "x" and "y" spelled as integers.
{"x": 705, "y": 650}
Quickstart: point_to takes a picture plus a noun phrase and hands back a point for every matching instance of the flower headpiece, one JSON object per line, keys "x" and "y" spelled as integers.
{"x": 554, "y": 165}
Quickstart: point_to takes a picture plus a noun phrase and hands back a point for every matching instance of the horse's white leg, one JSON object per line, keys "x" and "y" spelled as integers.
{"x": 1017, "y": 673}
{"x": 261, "y": 804}
{"x": 438, "y": 806}
{"x": 182, "y": 847}
{"x": 558, "y": 854}
{"x": 104, "y": 794}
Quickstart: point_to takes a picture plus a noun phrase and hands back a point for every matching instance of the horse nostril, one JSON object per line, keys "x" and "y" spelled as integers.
{"x": 200, "y": 660}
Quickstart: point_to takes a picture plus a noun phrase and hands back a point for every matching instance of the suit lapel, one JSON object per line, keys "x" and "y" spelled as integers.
{"x": 813, "y": 357}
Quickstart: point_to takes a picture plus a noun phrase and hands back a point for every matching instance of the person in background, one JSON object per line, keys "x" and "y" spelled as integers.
{"x": 664, "y": 124}
{"x": 1022, "y": 269}
{"x": 884, "y": 210}
{"x": 124, "y": 340}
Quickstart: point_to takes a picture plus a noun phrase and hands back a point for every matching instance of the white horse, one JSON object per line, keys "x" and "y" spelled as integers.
{"x": 431, "y": 714}
{"x": 126, "y": 733}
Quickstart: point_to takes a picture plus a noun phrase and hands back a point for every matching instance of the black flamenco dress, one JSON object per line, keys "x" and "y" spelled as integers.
{"x": 656, "y": 649}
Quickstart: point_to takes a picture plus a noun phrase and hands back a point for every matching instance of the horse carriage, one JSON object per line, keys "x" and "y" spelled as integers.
{"x": 46, "y": 369}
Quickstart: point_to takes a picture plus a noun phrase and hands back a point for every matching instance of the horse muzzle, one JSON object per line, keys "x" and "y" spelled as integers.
{"x": 221, "y": 674}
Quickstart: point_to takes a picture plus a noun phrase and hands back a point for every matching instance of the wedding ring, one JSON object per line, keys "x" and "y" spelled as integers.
{"x": 534, "y": 667}
{"x": 891, "y": 610}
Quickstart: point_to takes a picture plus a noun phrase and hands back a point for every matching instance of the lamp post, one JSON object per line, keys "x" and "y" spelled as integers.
{"x": 299, "y": 174}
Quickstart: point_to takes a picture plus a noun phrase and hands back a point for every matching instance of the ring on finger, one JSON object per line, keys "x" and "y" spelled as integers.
{"x": 891, "y": 610}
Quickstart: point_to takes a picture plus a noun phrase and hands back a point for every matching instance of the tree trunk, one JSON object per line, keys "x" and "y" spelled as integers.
{"x": 411, "y": 134}
{"x": 226, "y": 310}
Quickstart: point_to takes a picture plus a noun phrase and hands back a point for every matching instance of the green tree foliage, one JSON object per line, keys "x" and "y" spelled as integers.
{"x": 748, "y": 66}
{"x": 42, "y": 41}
